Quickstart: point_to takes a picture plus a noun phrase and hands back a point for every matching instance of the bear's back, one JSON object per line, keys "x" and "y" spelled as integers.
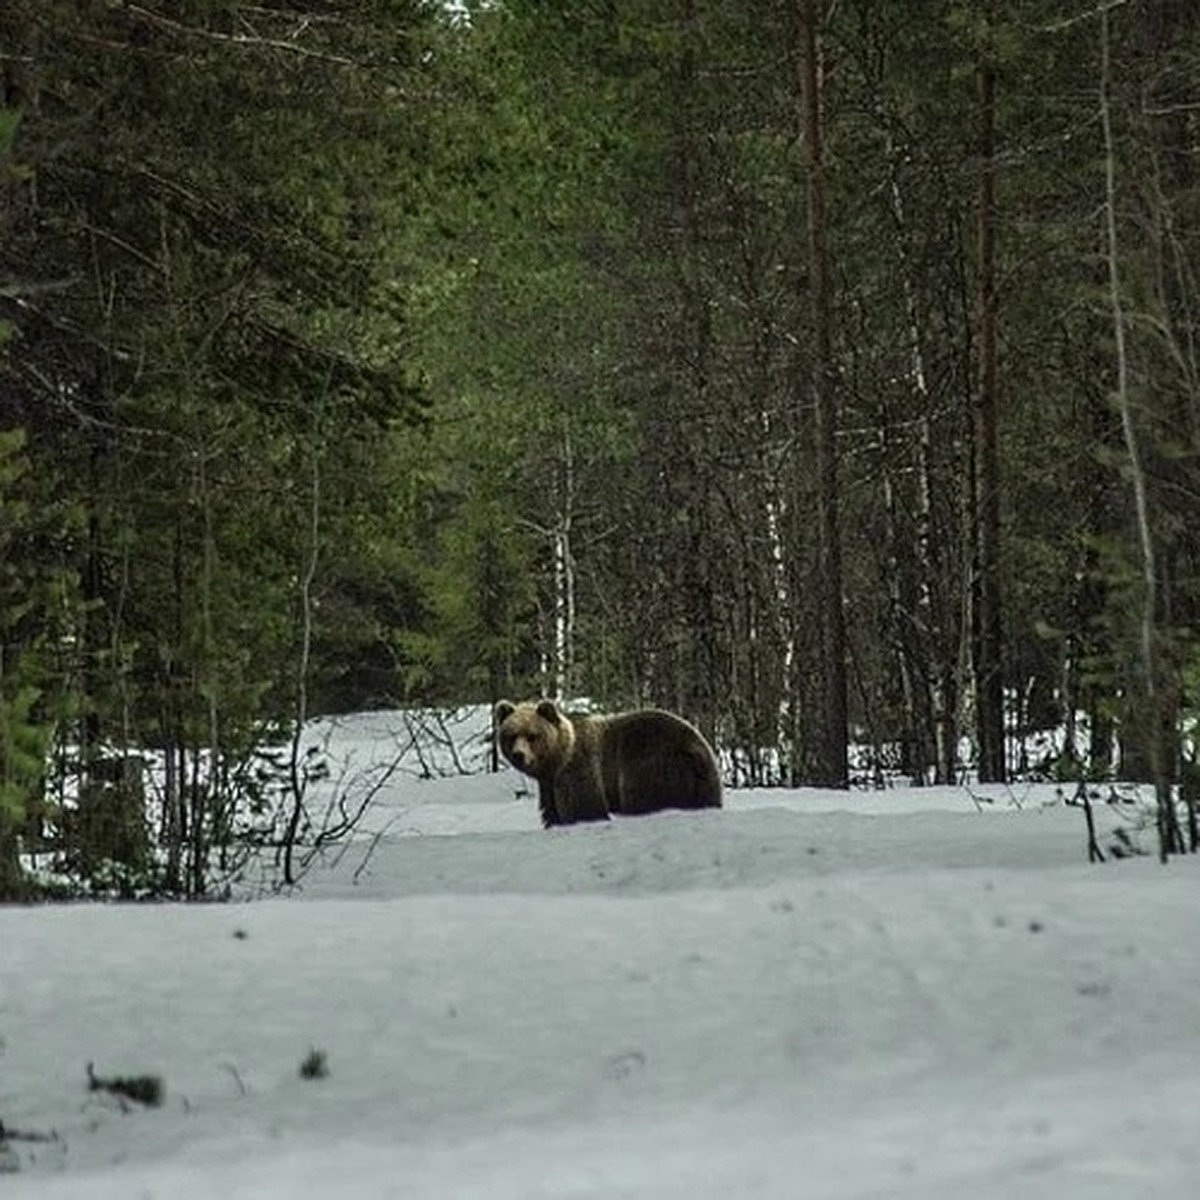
{"x": 651, "y": 760}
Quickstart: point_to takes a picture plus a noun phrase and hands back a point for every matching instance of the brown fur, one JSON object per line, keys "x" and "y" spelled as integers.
{"x": 588, "y": 767}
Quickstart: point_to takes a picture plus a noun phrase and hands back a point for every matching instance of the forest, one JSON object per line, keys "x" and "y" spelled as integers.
{"x": 824, "y": 370}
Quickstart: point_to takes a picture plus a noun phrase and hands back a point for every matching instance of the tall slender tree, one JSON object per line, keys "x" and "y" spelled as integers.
{"x": 831, "y": 763}
{"x": 987, "y": 633}
{"x": 1149, "y": 674}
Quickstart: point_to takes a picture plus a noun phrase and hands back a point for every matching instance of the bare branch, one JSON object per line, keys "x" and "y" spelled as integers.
{"x": 15, "y": 291}
{"x": 252, "y": 41}
{"x": 1101, "y": 10}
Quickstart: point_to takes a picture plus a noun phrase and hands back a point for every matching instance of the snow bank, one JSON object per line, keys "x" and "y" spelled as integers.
{"x": 900, "y": 993}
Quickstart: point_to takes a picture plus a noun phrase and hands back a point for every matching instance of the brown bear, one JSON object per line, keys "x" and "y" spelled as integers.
{"x": 588, "y": 767}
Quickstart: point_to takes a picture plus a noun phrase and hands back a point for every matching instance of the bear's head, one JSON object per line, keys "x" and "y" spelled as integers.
{"x": 535, "y": 736}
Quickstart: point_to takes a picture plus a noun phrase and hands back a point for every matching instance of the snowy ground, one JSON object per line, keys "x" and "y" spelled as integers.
{"x": 903, "y": 993}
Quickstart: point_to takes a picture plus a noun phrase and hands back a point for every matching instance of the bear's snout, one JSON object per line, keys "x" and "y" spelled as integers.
{"x": 518, "y": 757}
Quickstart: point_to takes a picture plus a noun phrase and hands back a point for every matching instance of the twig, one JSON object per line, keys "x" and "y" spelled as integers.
{"x": 237, "y": 1078}
{"x": 8, "y": 1134}
{"x": 375, "y": 840}
{"x": 1083, "y": 796}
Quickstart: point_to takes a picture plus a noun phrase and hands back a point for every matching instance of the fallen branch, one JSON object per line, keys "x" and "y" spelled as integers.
{"x": 145, "y": 1089}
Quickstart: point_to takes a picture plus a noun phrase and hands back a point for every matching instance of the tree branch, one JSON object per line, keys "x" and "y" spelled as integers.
{"x": 252, "y": 41}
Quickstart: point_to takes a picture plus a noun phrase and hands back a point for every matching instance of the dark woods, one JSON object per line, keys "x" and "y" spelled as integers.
{"x": 826, "y": 373}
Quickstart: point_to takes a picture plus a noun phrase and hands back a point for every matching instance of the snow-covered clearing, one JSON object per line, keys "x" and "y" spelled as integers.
{"x": 903, "y": 993}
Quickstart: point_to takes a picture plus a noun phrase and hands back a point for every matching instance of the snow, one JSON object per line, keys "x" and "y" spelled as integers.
{"x": 915, "y": 992}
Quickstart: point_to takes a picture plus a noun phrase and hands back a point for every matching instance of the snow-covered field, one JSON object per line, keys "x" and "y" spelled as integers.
{"x": 808, "y": 994}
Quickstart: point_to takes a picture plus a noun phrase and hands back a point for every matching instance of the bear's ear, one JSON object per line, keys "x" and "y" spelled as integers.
{"x": 548, "y": 711}
{"x": 503, "y": 710}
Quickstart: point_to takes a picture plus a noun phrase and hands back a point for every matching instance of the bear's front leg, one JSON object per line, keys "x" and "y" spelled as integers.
{"x": 547, "y": 804}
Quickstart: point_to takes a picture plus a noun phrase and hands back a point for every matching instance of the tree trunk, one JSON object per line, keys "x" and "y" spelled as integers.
{"x": 989, "y": 678}
{"x": 297, "y": 771}
{"x": 563, "y": 664}
{"x": 1170, "y": 837}
{"x": 14, "y": 96}
{"x": 927, "y": 672}
{"x": 830, "y": 750}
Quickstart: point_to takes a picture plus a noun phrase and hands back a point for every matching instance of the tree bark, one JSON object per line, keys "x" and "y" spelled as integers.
{"x": 298, "y": 773}
{"x": 987, "y": 639}
{"x": 831, "y": 765}
{"x": 1170, "y": 837}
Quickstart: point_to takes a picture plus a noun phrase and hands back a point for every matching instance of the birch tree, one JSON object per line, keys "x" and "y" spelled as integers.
{"x": 1170, "y": 837}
